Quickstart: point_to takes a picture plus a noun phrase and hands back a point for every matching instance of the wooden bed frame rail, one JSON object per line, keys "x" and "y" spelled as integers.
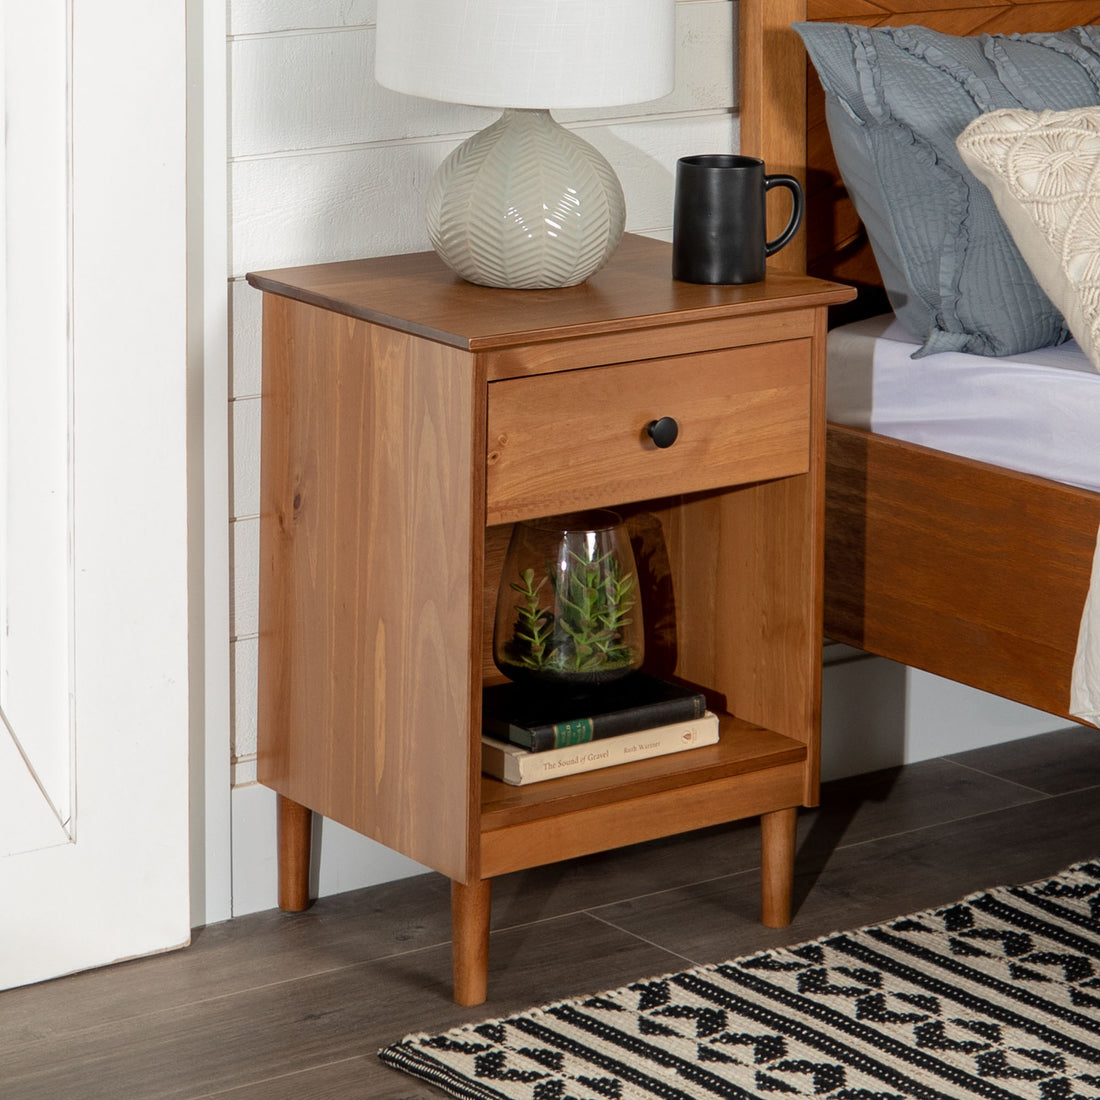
{"x": 970, "y": 571}
{"x": 955, "y": 566}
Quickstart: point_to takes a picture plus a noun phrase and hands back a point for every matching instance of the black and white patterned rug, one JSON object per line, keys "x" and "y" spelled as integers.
{"x": 996, "y": 996}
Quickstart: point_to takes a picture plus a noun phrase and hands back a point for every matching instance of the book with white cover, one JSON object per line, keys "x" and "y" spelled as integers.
{"x": 516, "y": 765}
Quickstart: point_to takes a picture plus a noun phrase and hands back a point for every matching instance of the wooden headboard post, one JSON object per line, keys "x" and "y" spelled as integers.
{"x": 773, "y": 100}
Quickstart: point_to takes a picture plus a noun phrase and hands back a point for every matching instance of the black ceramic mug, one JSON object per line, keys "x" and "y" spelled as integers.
{"x": 719, "y": 223}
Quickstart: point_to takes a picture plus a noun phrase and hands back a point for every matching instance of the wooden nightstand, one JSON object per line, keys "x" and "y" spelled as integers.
{"x": 409, "y": 419}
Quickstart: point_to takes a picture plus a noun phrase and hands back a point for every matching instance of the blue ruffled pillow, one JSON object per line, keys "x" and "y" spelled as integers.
{"x": 896, "y": 100}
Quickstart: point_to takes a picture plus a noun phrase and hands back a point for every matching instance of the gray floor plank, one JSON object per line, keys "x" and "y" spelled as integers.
{"x": 1055, "y": 763}
{"x": 277, "y": 1005}
{"x": 210, "y": 1046}
{"x": 364, "y": 1078}
{"x": 252, "y": 952}
{"x": 873, "y": 881}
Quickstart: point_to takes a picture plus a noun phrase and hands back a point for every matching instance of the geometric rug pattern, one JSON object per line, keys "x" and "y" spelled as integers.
{"x": 996, "y": 997}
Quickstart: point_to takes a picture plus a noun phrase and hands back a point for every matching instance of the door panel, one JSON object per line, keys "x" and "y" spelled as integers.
{"x": 35, "y": 536}
{"x": 93, "y": 490}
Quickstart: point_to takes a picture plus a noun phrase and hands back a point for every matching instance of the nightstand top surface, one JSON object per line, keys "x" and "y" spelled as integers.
{"x": 417, "y": 293}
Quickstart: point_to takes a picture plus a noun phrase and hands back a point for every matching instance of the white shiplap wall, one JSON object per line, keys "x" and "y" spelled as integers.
{"x": 325, "y": 165}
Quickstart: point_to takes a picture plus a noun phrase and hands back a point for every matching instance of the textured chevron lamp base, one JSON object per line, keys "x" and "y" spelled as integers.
{"x": 526, "y": 204}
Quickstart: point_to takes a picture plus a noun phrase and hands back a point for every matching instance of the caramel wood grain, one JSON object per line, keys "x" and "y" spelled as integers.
{"x": 294, "y": 833}
{"x": 470, "y": 915}
{"x": 676, "y": 339}
{"x": 599, "y": 827}
{"x": 778, "y": 831}
{"x": 419, "y": 295}
{"x": 277, "y": 581}
{"x": 496, "y": 546}
{"x": 577, "y": 439}
{"x": 742, "y": 748}
{"x": 392, "y": 470}
{"x": 368, "y": 547}
{"x": 957, "y": 567}
{"x": 1005, "y": 16}
{"x": 748, "y": 580}
{"x": 773, "y": 98}
{"x": 745, "y": 581}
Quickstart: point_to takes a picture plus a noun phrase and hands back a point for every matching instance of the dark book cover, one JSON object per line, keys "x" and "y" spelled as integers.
{"x": 541, "y": 719}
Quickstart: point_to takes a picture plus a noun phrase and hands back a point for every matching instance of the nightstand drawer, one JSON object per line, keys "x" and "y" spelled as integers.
{"x": 577, "y": 439}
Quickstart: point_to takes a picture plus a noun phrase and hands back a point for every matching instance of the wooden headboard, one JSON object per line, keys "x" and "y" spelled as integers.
{"x": 783, "y": 116}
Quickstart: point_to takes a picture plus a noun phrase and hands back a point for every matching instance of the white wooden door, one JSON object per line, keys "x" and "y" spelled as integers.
{"x": 93, "y": 488}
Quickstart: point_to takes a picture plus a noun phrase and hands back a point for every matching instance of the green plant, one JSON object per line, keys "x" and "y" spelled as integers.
{"x": 575, "y": 623}
{"x": 534, "y": 625}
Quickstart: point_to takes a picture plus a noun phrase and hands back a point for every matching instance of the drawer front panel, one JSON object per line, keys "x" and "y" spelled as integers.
{"x": 578, "y": 439}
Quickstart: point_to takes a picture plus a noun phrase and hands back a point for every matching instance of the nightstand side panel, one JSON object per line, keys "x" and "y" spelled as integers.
{"x": 371, "y": 540}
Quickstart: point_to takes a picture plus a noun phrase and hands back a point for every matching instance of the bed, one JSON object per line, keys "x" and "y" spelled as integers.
{"x": 963, "y": 568}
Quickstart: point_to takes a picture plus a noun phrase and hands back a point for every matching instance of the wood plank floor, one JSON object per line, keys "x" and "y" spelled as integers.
{"x": 277, "y": 1005}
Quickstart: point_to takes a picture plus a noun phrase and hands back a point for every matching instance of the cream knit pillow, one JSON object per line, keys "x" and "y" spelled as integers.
{"x": 1043, "y": 171}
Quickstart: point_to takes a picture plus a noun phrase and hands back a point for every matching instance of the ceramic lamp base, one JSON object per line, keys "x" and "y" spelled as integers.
{"x": 526, "y": 204}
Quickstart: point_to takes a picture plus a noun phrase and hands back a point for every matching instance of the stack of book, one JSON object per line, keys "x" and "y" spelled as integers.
{"x": 528, "y": 736}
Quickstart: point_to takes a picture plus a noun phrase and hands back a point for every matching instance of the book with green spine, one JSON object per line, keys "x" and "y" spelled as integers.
{"x": 549, "y": 719}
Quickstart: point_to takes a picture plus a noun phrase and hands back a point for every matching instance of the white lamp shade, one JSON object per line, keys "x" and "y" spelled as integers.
{"x": 527, "y": 53}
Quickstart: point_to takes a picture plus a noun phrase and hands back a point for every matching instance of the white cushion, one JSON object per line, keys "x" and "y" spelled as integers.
{"x": 1043, "y": 171}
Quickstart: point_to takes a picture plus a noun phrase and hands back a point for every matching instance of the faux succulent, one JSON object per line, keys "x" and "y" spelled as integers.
{"x": 572, "y": 620}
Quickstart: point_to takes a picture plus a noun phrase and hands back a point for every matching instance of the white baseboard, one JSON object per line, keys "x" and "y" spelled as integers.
{"x": 342, "y": 860}
{"x": 879, "y": 714}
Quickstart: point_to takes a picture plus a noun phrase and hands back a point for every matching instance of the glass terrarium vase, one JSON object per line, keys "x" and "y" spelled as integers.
{"x": 568, "y": 607}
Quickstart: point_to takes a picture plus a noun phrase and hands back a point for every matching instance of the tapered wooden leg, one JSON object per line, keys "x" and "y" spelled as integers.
{"x": 470, "y": 906}
{"x": 777, "y": 843}
{"x": 294, "y": 831}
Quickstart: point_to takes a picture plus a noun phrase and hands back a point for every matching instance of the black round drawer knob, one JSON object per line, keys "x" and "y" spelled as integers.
{"x": 663, "y": 432}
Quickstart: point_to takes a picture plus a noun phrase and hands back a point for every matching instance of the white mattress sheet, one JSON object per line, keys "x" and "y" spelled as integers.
{"x": 1039, "y": 413}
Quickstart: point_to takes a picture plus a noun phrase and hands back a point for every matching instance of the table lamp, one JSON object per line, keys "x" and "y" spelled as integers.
{"x": 526, "y": 203}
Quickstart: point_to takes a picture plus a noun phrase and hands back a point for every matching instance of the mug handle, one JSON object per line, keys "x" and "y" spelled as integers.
{"x": 795, "y": 189}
